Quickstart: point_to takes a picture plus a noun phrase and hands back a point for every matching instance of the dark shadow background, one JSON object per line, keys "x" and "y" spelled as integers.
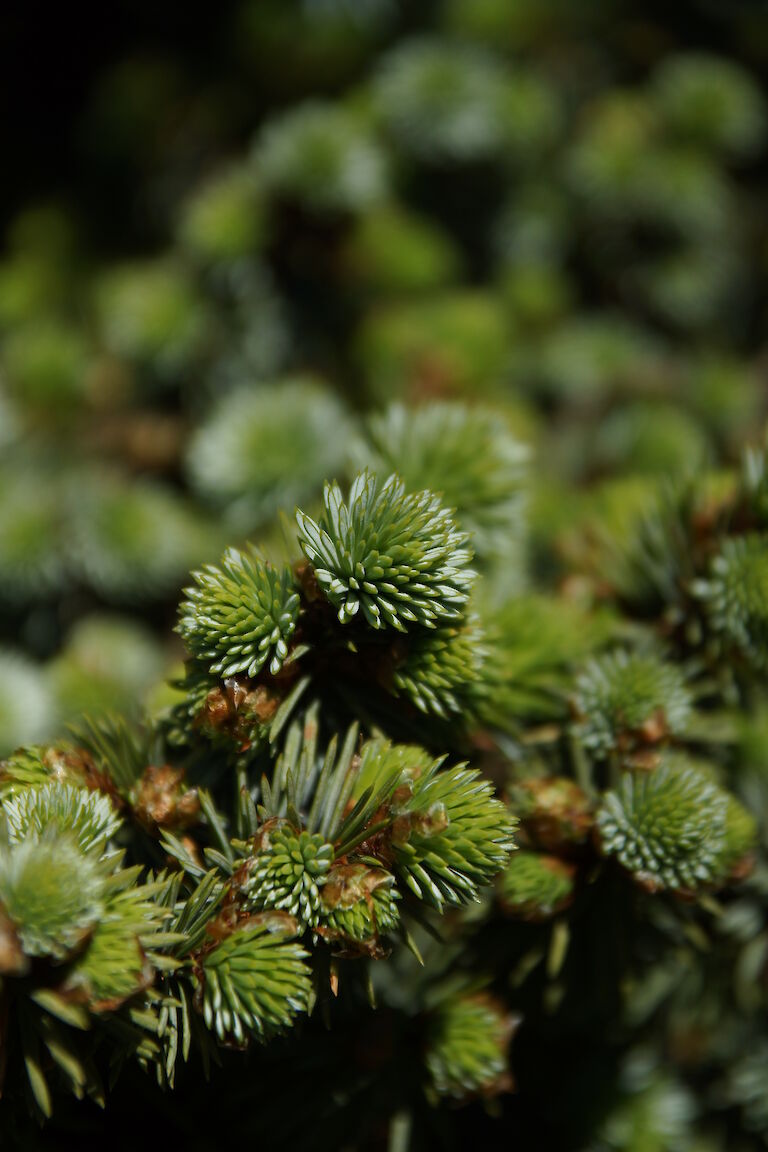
{"x": 53, "y": 56}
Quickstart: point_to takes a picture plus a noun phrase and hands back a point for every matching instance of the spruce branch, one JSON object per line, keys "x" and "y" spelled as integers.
{"x": 261, "y": 451}
{"x": 441, "y": 670}
{"x": 533, "y": 644}
{"x": 467, "y": 455}
{"x": 397, "y": 556}
{"x": 52, "y": 892}
{"x": 255, "y": 982}
{"x": 735, "y": 596}
{"x": 667, "y": 827}
{"x": 627, "y": 701}
{"x": 287, "y": 871}
{"x": 87, "y": 816}
{"x": 467, "y": 1042}
{"x": 536, "y": 887}
{"x": 450, "y": 836}
{"x": 120, "y": 960}
{"x": 240, "y": 615}
{"x": 359, "y": 905}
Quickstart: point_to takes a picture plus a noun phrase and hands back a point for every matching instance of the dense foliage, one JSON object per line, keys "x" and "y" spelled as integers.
{"x": 430, "y": 808}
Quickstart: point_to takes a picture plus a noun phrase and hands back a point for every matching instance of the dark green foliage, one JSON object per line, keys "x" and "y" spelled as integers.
{"x": 466, "y": 1047}
{"x": 534, "y": 886}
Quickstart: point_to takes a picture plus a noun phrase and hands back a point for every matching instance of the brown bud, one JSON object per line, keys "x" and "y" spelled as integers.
{"x": 347, "y": 884}
{"x": 655, "y": 729}
{"x": 224, "y": 924}
{"x": 216, "y": 711}
{"x": 275, "y": 921}
{"x": 555, "y": 813}
{"x": 237, "y": 706}
{"x": 76, "y": 765}
{"x": 305, "y": 574}
{"x": 160, "y": 801}
{"x": 13, "y": 962}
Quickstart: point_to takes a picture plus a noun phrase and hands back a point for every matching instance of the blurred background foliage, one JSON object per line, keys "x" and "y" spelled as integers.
{"x": 239, "y": 239}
